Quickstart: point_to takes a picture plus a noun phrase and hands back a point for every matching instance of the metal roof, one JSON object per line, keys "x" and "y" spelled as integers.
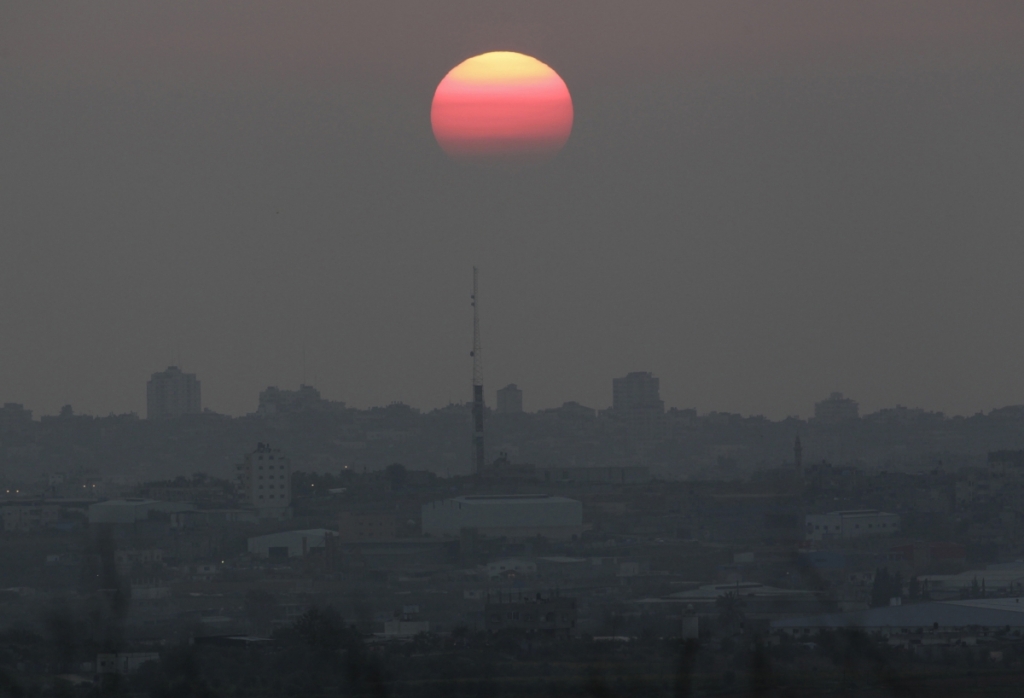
{"x": 989, "y": 613}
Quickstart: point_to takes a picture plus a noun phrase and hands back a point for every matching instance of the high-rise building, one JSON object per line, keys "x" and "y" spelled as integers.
{"x": 510, "y": 400}
{"x": 14, "y": 418}
{"x": 265, "y": 482}
{"x": 637, "y": 404}
{"x": 306, "y": 399}
{"x": 637, "y": 391}
{"x": 172, "y": 393}
{"x": 836, "y": 409}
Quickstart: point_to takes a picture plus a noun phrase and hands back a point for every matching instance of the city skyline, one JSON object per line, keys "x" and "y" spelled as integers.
{"x": 758, "y": 217}
{"x": 824, "y": 408}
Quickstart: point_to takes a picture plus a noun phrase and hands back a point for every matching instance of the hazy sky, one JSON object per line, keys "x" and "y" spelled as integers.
{"x": 761, "y": 202}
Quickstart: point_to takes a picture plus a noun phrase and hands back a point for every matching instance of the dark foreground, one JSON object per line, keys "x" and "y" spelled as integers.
{"x": 322, "y": 656}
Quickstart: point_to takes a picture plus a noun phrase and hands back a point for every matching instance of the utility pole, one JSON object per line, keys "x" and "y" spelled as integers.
{"x": 478, "y": 385}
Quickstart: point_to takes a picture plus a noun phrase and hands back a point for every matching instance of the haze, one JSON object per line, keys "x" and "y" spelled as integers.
{"x": 760, "y": 203}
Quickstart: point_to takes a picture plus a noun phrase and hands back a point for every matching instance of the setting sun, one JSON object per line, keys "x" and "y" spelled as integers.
{"x": 502, "y": 106}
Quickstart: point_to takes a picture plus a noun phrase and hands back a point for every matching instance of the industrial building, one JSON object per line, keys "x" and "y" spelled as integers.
{"x": 942, "y": 616}
{"x": 850, "y": 524}
{"x": 514, "y": 516}
{"x": 613, "y": 474}
{"x": 541, "y": 612}
{"x": 759, "y": 600}
{"x": 130, "y": 511}
{"x": 34, "y": 515}
{"x": 289, "y": 543}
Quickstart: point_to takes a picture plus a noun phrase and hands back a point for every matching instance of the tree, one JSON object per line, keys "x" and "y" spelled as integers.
{"x": 260, "y": 608}
{"x": 322, "y": 629}
{"x": 730, "y": 611}
{"x": 880, "y": 588}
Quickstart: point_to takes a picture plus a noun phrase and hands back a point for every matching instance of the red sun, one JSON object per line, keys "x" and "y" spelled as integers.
{"x": 501, "y": 107}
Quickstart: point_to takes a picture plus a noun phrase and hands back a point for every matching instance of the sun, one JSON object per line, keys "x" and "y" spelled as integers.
{"x": 502, "y": 107}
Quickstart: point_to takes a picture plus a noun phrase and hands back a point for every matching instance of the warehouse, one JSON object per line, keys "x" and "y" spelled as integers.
{"x": 515, "y": 516}
{"x": 289, "y": 543}
{"x": 941, "y": 616}
{"x": 851, "y": 524}
{"x": 130, "y": 511}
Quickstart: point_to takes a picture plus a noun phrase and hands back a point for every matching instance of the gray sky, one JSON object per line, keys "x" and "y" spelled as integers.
{"x": 760, "y": 202}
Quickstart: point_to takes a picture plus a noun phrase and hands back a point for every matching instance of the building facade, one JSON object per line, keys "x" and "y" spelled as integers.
{"x": 637, "y": 391}
{"x": 510, "y": 400}
{"x": 367, "y": 526}
{"x": 836, "y": 409}
{"x": 516, "y": 516}
{"x": 265, "y": 482}
{"x": 541, "y": 612}
{"x": 850, "y": 524}
{"x": 29, "y": 516}
{"x": 637, "y": 404}
{"x": 290, "y": 543}
{"x": 172, "y": 393}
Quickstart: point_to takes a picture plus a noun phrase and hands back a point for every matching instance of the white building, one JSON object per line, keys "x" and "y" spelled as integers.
{"x": 265, "y": 482}
{"x": 850, "y": 524}
{"x": 512, "y": 516}
{"x": 290, "y": 543}
{"x": 172, "y": 393}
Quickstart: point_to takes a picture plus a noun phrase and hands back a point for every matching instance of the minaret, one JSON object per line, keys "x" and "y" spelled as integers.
{"x": 478, "y": 387}
{"x": 798, "y": 455}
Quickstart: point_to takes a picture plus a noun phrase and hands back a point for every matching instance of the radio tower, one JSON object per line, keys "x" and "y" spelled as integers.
{"x": 478, "y": 387}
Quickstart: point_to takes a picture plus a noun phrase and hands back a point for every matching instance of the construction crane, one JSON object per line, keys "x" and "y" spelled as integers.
{"x": 478, "y": 385}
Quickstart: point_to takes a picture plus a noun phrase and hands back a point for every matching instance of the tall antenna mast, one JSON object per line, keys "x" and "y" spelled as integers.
{"x": 478, "y": 385}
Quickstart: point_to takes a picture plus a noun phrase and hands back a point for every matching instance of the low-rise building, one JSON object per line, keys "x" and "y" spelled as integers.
{"x": 405, "y": 628}
{"x": 25, "y": 516}
{"x": 515, "y": 516}
{"x": 511, "y": 568}
{"x": 544, "y": 612}
{"x": 123, "y": 662}
{"x": 942, "y": 616}
{"x": 367, "y": 526}
{"x": 850, "y": 524}
{"x": 290, "y": 543}
{"x": 130, "y": 511}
